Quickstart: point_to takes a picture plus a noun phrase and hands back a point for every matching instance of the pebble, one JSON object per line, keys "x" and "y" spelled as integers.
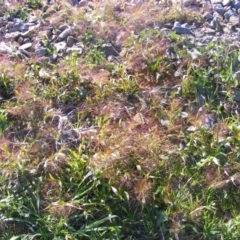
{"x": 60, "y": 46}
{"x": 183, "y": 30}
{"x": 64, "y": 34}
{"x": 74, "y": 49}
{"x": 70, "y": 41}
{"x": 234, "y": 20}
{"x": 41, "y": 51}
{"x": 12, "y": 35}
{"x": 25, "y": 46}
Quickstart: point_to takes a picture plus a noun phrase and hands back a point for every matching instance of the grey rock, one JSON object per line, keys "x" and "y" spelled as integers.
{"x": 236, "y": 94}
{"x": 5, "y": 48}
{"x": 234, "y": 20}
{"x": 20, "y": 40}
{"x": 194, "y": 53}
{"x": 9, "y": 25}
{"x": 25, "y": 53}
{"x": 43, "y": 60}
{"x": 226, "y": 2}
{"x": 183, "y": 30}
{"x": 24, "y": 27}
{"x": 70, "y": 41}
{"x": 41, "y": 51}
{"x": 213, "y": 24}
{"x": 63, "y": 27}
{"x": 25, "y": 46}
{"x": 178, "y": 73}
{"x": 17, "y": 24}
{"x": 237, "y": 5}
{"x": 13, "y": 35}
{"x": 2, "y": 22}
{"x": 227, "y": 8}
{"x": 206, "y": 39}
{"x": 209, "y": 121}
{"x": 65, "y": 33}
{"x": 229, "y": 14}
{"x": 110, "y": 50}
{"x": 46, "y": 34}
{"x": 209, "y": 31}
{"x": 56, "y": 31}
{"x": 219, "y": 9}
{"x": 217, "y": 16}
{"x": 208, "y": 16}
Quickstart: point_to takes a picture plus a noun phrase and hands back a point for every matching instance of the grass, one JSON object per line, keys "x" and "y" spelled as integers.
{"x": 112, "y": 143}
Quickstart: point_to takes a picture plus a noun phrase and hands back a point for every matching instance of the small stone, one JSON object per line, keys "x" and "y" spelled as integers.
{"x": 195, "y": 54}
{"x": 25, "y": 46}
{"x": 46, "y": 34}
{"x": 9, "y": 25}
{"x": 63, "y": 27}
{"x": 213, "y": 24}
{"x": 217, "y": 16}
{"x": 226, "y": 2}
{"x": 44, "y": 73}
{"x": 110, "y": 50}
{"x": 237, "y": 5}
{"x": 60, "y": 46}
{"x": 74, "y": 49}
{"x": 177, "y": 24}
{"x": 185, "y": 25}
{"x": 178, "y": 73}
{"x": 25, "y": 53}
{"x": 209, "y": 31}
{"x": 32, "y": 19}
{"x": 70, "y": 41}
{"x": 5, "y": 48}
{"x": 17, "y": 24}
{"x": 41, "y": 51}
{"x": 65, "y": 33}
{"x": 12, "y": 35}
{"x": 218, "y": 8}
{"x": 229, "y": 14}
{"x": 183, "y": 30}
{"x": 20, "y": 40}
{"x": 208, "y": 16}
{"x": 234, "y": 20}
{"x": 2, "y": 22}
{"x": 46, "y": 15}
{"x": 43, "y": 60}
{"x": 236, "y": 94}
{"x": 191, "y": 129}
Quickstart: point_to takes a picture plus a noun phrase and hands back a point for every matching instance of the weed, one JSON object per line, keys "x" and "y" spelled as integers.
{"x": 110, "y": 142}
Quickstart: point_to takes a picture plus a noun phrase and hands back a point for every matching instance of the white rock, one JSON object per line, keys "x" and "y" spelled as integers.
{"x": 25, "y": 46}
{"x": 5, "y": 48}
{"x": 12, "y": 35}
{"x": 60, "y": 46}
{"x": 43, "y": 73}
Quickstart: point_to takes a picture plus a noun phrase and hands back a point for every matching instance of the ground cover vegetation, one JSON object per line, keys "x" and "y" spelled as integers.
{"x": 119, "y": 146}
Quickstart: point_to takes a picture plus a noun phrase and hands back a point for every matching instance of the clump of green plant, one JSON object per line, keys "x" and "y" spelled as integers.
{"x": 6, "y": 87}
